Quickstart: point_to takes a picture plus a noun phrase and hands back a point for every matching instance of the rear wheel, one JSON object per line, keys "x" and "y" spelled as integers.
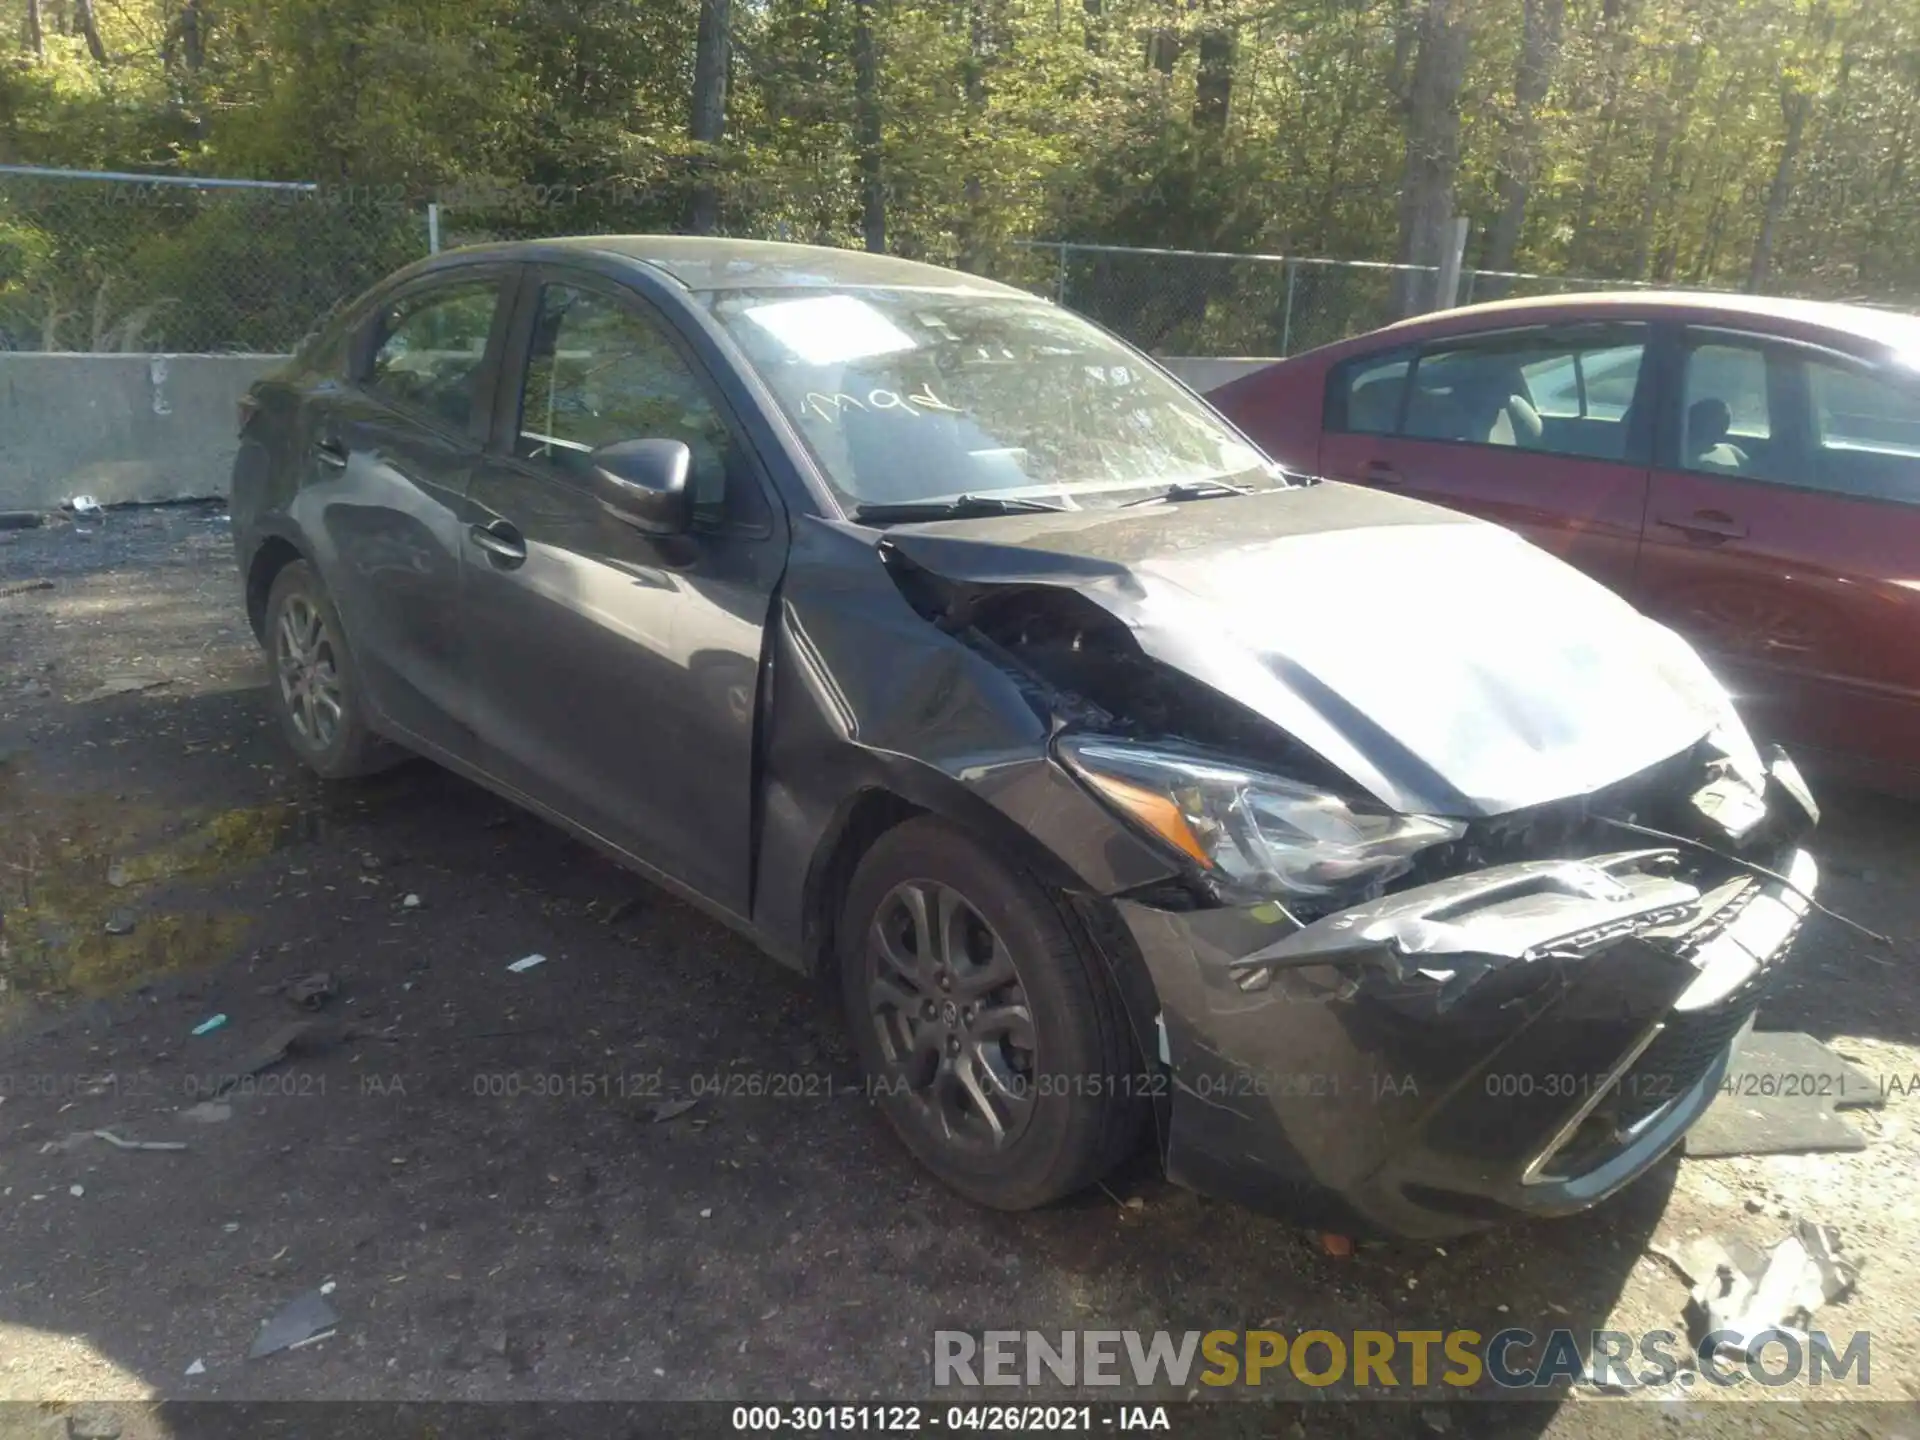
{"x": 316, "y": 686}
{"x": 989, "y": 1030}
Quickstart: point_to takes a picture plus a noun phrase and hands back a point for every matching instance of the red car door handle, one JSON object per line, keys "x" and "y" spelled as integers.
{"x": 1379, "y": 472}
{"x": 1707, "y": 525}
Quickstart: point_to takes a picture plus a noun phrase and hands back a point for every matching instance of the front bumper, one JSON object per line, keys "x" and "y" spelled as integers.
{"x": 1521, "y": 1041}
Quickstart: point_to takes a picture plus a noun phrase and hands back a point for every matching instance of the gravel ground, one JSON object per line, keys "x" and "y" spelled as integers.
{"x": 479, "y": 1162}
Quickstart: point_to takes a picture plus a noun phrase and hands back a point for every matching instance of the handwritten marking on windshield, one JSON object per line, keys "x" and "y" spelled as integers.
{"x": 831, "y": 407}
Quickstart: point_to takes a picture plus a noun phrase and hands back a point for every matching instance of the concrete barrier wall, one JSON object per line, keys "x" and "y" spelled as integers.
{"x": 118, "y": 427}
{"x": 161, "y": 427}
{"x": 1205, "y": 373}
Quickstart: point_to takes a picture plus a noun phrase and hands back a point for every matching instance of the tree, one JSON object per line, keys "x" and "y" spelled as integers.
{"x": 1541, "y": 26}
{"x": 713, "y": 58}
{"x": 866, "y": 87}
{"x": 1432, "y": 146}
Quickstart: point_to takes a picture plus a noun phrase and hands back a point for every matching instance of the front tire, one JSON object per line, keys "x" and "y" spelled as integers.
{"x": 315, "y": 686}
{"x": 993, "y": 1039}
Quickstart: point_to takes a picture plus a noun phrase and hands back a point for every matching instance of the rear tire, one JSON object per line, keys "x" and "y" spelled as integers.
{"x": 970, "y": 990}
{"x": 314, "y": 686}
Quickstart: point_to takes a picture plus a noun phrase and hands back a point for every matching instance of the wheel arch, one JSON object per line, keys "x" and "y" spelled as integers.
{"x": 273, "y": 554}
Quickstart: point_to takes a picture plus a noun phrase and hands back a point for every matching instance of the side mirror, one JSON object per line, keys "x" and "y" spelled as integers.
{"x": 644, "y": 484}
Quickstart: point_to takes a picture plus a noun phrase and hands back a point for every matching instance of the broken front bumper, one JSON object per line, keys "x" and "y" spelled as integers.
{"x": 1520, "y": 1041}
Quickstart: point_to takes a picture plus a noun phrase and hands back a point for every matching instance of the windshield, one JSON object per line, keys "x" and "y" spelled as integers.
{"x": 909, "y": 396}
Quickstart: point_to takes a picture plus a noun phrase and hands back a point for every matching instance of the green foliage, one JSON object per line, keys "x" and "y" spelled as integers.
{"x": 1695, "y": 141}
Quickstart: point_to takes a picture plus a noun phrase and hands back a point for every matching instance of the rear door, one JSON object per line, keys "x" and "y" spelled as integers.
{"x": 1539, "y": 429}
{"x": 1783, "y": 530}
{"x": 615, "y": 675}
{"x": 393, "y": 452}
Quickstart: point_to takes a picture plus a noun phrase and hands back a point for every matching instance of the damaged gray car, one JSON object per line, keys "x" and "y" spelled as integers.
{"x": 1385, "y": 871}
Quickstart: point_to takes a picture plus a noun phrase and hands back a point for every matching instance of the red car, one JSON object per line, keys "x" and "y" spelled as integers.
{"x": 1746, "y": 470}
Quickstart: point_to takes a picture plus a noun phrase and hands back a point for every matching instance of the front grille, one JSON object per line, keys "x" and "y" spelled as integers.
{"x": 1679, "y": 1055}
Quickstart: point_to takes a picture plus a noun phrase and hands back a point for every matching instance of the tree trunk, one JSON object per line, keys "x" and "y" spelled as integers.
{"x": 83, "y": 21}
{"x": 1663, "y": 172}
{"x": 866, "y": 94}
{"x": 1095, "y": 13}
{"x": 1617, "y": 21}
{"x": 36, "y": 41}
{"x": 712, "y": 59}
{"x": 1433, "y": 150}
{"x": 973, "y": 220}
{"x": 1213, "y": 88}
{"x": 1795, "y": 105}
{"x": 1543, "y": 23}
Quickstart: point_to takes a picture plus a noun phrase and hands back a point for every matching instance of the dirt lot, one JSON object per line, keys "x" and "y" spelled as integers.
{"x": 477, "y": 1162}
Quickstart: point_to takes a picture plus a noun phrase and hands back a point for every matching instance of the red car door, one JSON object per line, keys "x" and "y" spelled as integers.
{"x": 1539, "y": 429}
{"x": 1783, "y": 538}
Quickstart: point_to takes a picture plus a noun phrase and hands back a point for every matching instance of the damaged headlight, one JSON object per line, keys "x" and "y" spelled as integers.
{"x": 1261, "y": 834}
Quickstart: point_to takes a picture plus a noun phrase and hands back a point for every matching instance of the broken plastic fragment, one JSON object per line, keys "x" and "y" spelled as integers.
{"x": 527, "y": 962}
{"x": 209, "y": 1025}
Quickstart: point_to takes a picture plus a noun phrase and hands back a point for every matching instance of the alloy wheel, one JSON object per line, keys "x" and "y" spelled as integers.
{"x": 952, "y": 1018}
{"x": 309, "y": 672}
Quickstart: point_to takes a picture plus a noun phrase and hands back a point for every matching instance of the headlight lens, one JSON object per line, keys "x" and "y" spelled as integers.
{"x": 1261, "y": 834}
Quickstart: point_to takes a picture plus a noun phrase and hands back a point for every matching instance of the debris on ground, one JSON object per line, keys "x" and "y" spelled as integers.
{"x": 1739, "y": 1291}
{"x": 412, "y": 902}
{"x": 126, "y": 685}
{"x": 665, "y": 1110}
{"x": 526, "y": 963}
{"x": 91, "y": 1424}
{"x": 301, "y": 1321}
{"x": 198, "y": 1367}
{"x": 310, "y": 992}
{"x": 119, "y": 1144}
{"x": 1339, "y": 1246}
{"x": 76, "y": 1191}
{"x": 209, "y": 1025}
{"x": 303, "y": 1039}
{"x": 207, "y": 1112}
{"x": 23, "y": 520}
{"x": 85, "y": 507}
{"x": 120, "y": 922}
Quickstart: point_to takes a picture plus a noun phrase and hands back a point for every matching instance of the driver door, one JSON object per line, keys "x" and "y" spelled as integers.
{"x": 613, "y": 675}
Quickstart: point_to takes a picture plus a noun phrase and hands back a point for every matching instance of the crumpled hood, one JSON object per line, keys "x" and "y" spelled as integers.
{"x": 1444, "y": 663}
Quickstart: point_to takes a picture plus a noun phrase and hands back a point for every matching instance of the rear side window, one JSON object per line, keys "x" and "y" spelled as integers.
{"x": 429, "y": 347}
{"x": 1555, "y": 393}
{"x": 1866, "y": 432}
{"x": 1364, "y": 394}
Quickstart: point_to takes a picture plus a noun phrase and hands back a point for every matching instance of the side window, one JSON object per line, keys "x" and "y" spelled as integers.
{"x": 1726, "y": 416}
{"x": 1866, "y": 432}
{"x": 1555, "y": 394}
{"x": 429, "y": 349}
{"x": 1363, "y": 395}
{"x": 600, "y": 372}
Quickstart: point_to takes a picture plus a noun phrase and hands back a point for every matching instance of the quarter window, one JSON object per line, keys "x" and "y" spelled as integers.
{"x": 1365, "y": 394}
{"x": 431, "y": 347}
{"x": 599, "y": 373}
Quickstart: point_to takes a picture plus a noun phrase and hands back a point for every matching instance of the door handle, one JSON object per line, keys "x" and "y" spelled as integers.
{"x": 1707, "y": 525}
{"x": 506, "y": 547}
{"x": 331, "y": 453}
{"x": 1379, "y": 472}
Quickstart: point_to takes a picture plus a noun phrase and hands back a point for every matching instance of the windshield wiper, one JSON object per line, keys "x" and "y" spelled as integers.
{"x": 957, "y": 507}
{"x": 1190, "y": 490}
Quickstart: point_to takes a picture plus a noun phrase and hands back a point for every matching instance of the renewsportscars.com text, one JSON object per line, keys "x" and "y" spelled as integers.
{"x": 1511, "y": 1359}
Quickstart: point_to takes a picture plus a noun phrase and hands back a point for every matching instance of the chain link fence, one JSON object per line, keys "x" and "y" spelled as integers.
{"x": 102, "y": 263}
{"x": 1183, "y": 302}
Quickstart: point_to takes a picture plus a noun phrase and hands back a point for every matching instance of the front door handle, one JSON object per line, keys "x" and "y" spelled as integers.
{"x": 1706, "y": 525}
{"x": 506, "y": 547}
{"x": 1379, "y": 472}
{"x": 331, "y": 453}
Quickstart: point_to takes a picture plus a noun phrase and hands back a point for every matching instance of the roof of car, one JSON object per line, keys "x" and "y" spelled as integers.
{"x": 1893, "y": 328}
{"x": 702, "y": 262}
